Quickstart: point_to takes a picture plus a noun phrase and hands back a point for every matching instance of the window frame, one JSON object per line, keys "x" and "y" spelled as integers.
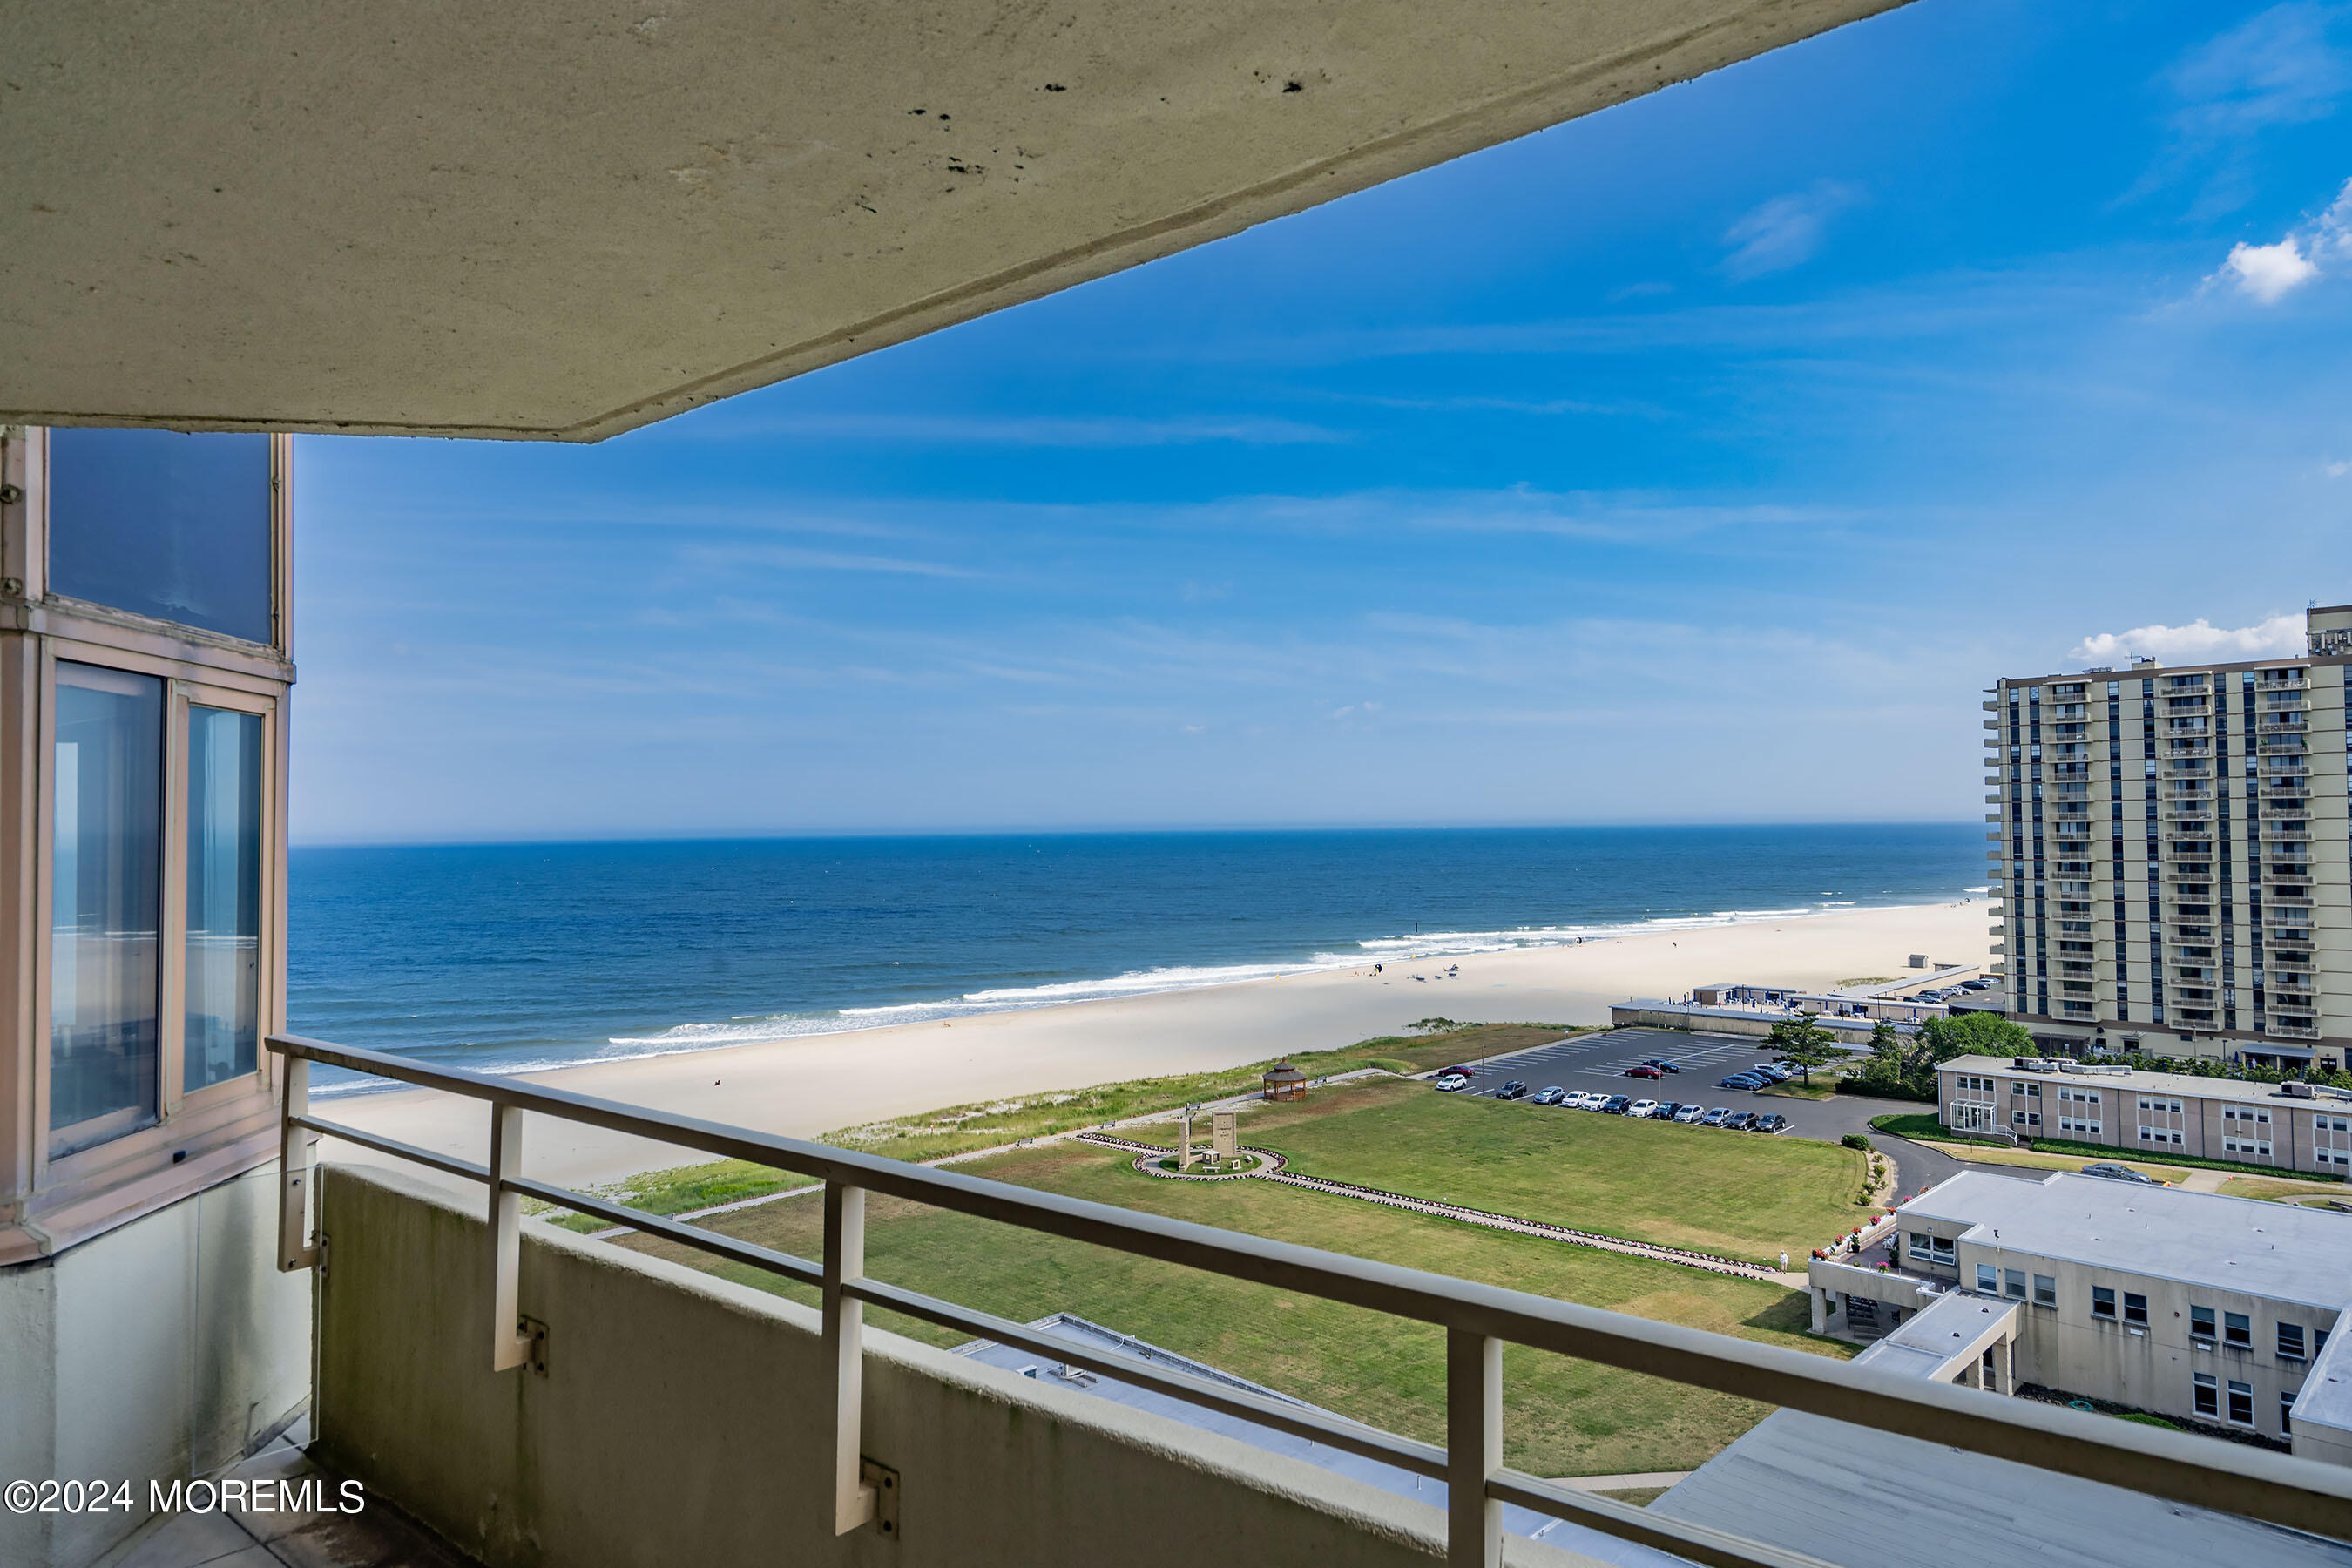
{"x": 180, "y": 1113}
{"x": 2212, "y": 1330}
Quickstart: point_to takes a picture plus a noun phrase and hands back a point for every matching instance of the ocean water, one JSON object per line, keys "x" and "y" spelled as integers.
{"x": 508, "y": 957}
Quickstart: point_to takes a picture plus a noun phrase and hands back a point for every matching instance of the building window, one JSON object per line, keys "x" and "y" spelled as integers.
{"x": 2236, "y": 1329}
{"x": 2207, "y": 1393}
{"x": 172, "y": 526}
{"x": 105, "y": 905}
{"x": 1988, "y": 1279}
{"x": 2045, "y": 1290}
{"x": 2290, "y": 1341}
{"x": 2242, "y": 1402}
{"x": 222, "y": 981}
{"x": 2286, "y": 1412}
{"x": 2103, "y": 1301}
{"x": 2200, "y": 1323}
{"x": 2016, "y": 1281}
{"x": 2134, "y": 1307}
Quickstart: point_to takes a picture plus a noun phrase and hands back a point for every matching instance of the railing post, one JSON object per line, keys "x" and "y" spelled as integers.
{"x": 1474, "y": 1450}
{"x": 294, "y": 1251}
{"x": 509, "y": 1347}
{"x": 845, "y": 1351}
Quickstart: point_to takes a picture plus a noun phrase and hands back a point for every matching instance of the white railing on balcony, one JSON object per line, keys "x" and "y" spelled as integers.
{"x": 1478, "y": 1320}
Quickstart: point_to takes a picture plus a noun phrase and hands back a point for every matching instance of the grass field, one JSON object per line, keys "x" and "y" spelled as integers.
{"x": 1563, "y": 1417}
{"x": 2272, "y": 1190}
{"x": 1699, "y": 1187}
{"x": 960, "y": 1128}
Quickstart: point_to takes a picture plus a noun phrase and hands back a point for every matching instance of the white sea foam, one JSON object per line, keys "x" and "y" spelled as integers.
{"x": 1387, "y": 950}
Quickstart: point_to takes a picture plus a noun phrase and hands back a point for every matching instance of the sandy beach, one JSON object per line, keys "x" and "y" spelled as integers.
{"x": 813, "y": 1084}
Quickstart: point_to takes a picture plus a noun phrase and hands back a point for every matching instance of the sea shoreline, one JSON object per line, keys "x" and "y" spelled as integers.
{"x": 690, "y": 1039}
{"x": 806, "y": 1085}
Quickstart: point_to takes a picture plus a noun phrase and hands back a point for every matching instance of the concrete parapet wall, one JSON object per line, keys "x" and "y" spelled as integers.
{"x": 683, "y": 1418}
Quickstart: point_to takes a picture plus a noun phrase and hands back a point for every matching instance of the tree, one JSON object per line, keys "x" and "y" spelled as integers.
{"x": 1804, "y": 1042}
{"x": 1905, "y": 1068}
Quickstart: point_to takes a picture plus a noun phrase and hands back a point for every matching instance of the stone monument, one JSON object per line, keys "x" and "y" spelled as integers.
{"x": 1184, "y": 1139}
{"x": 1224, "y": 1135}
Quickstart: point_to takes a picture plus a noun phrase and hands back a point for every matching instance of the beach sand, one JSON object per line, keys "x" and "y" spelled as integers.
{"x": 815, "y": 1083}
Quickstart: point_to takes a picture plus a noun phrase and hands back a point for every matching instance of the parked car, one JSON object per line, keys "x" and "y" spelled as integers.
{"x": 1642, "y": 1107}
{"x": 1691, "y": 1113}
{"x": 1451, "y": 1083}
{"x": 1514, "y": 1089}
{"x": 1715, "y": 1118}
{"x": 1644, "y": 1072}
{"x": 1661, "y": 1065}
{"x": 1666, "y": 1110}
{"x": 1458, "y": 1070}
{"x": 1975, "y": 984}
{"x": 1592, "y": 1100}
{"x": 1615, "y": 1105}
{"x": 2110, "y": 1170}
{"x": 1740, "y": 1081}
{"x": 1740, "y": 1120}
{"x": 1773, "y": 1123}
{"x": 1550, "y": 1094}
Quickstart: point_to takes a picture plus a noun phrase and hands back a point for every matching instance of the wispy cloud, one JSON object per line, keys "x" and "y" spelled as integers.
{"x": 1786, "y": 231}
{"x": 971, "y": 430}
{"x": 789, "y": 558}
{"x": 2201, "y": 639}
{"x": 2269, "y": 273}
{"x": 2279, "y": 67}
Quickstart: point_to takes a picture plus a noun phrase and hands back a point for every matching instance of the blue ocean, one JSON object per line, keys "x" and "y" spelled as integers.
{"x": 508, "y": 957}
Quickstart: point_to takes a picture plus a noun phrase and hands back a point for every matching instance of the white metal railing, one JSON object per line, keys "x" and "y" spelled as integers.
{"x": 1478, "y": 1320}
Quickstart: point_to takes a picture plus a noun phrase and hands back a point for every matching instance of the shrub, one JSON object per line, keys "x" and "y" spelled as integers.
{"x": 1855, "y": 1141}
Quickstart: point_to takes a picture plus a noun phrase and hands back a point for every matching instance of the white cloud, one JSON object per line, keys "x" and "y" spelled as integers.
{"x": 2268, "y": 273}
{"x": 2336, "y": 470}
{"x": 2199, "y": 640}
{"x": 1786, "y": 231}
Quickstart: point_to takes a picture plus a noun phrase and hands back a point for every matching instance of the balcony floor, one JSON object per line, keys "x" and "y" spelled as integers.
{"x": 380, "y": 1537}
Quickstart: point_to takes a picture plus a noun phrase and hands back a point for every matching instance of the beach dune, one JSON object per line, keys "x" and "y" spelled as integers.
{"x": 812, "y": 1083}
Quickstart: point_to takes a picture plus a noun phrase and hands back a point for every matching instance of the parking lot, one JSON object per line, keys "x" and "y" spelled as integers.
{"x": 1598, "y": 1062}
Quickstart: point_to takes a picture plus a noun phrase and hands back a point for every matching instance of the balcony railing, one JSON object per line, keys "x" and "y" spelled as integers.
{"x": 1478, "y": 1320}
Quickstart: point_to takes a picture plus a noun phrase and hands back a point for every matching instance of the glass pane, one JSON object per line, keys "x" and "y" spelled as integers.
{"x": 172, "y": 526}
{"x": 106, "y": 895}
{"x": 224, "y": 966}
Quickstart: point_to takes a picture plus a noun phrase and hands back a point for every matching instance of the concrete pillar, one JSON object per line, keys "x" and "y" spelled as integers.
{"x": 1820, "y": 1299}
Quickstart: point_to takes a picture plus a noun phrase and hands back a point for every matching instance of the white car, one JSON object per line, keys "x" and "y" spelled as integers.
{"x": 1691, "y": 1113}
{"x": 1451, "y": 1082}
{"x": 1642, "y": 1107}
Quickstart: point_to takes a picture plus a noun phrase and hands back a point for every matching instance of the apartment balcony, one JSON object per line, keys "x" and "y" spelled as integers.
{"x": 2293, "y": 1029}
{"x": 632, "y": 1410}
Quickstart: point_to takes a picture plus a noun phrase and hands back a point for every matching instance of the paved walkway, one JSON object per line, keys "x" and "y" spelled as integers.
{"x": 1623, "y": 1483}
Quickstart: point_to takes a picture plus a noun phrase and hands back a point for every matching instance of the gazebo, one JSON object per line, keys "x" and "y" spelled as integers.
{"x": 1284, "y": 1081}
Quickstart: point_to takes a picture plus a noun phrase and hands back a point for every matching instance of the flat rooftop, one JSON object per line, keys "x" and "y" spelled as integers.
{"x": 1847, "y": 1494}
{"x": 2196, "y": 1238}
{"x": 2186, "y": 1085}
{"x": 1518, "y": 1521}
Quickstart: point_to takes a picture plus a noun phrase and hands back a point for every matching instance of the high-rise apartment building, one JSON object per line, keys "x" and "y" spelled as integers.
{"x": 2171, "y": 855}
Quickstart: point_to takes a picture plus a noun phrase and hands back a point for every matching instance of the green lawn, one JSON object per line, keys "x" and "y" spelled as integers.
{"x": 960, "y": 1128}
{"x": 1563, "y": 1417}
{"x": 1731, "y": 1193}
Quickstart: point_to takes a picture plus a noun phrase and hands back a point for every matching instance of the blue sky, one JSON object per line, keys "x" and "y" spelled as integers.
{"x": 1698, "y": 460}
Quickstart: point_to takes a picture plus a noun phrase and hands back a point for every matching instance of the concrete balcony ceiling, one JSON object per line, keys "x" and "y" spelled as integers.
{"x": 560, "y": 221}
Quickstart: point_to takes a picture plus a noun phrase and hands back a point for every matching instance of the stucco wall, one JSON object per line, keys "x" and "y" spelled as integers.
{"x": 161, "y": 1350}
{"x": 682, "y": 1420}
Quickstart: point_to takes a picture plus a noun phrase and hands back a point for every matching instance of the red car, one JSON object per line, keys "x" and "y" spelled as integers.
{"x": 1644, "y": 1072}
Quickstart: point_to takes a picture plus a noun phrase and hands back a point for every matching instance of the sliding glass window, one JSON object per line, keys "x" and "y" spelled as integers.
{"x": 223, "y": 979}
{"x": 106, "y": 894}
